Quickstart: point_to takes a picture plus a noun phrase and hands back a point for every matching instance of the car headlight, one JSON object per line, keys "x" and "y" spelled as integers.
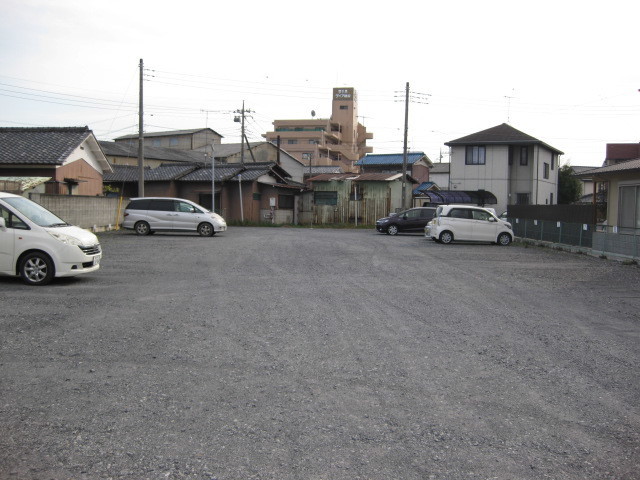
{"x": 68, "y": 239}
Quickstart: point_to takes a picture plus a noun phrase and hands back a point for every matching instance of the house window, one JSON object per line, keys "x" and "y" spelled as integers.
{"x": 546, "y": 170}
{"x": 292, "y": 142}
{"x": 551, "y": 199}
{"x": 325, "y": 198}
{"x": 524, "y": 155}
{"x": 257, "y": 196}
{"x": 629, "y": 207}
{"x": 510, "y": 155}
{"x": 173, "y": 141}
{"x": 522, "y": 199}
{"x": 314, "y": 142}
{"x": 156, "y": 142}
{"x": 553, "y": 161}
{"x": 475, "y": 155}
{"x": 344, "y": 107}
{"x": 286, "y": 201}
{"x": 307, "y": 156}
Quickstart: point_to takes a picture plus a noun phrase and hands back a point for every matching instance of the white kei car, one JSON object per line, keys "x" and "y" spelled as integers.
{"x": 468, "y": 223}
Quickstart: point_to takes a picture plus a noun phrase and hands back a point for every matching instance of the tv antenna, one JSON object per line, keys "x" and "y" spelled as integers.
{"x": 509, "y": 97}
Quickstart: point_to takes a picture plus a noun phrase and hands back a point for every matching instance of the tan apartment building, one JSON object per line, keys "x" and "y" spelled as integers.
{"x": 337, "y": 141}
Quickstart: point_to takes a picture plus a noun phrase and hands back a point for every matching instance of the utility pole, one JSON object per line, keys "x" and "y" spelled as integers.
{"x": 141, "y": 138}
{"x": 213, "y": 159}
{"x": 213, "y": 179}
{"x": 415, "y": 98}
{"x": 404, "y": 151}
{"x": 242, "y": 140}
{"x": 243, "y": 137}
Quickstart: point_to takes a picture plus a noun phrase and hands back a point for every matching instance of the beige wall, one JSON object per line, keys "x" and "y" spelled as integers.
{"x": 613, "y": 200}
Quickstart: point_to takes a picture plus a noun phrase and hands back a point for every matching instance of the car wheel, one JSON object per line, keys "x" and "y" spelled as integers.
{"x": 392, "y": 230}
{"x": 446, "y": 237}
{"x": 205, "y": 230}
{"x": 504, "y": 239}
{"x": 37, "y": 269}
{"x": 142, "y": 228}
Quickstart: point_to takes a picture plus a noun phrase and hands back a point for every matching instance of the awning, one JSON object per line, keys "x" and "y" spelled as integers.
{"x": 477, "y": 197}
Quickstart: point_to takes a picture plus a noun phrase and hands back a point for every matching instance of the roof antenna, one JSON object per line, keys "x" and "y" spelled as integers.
{"x": 509, "y": 104}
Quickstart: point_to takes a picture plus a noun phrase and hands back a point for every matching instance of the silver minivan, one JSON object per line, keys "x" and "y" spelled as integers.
{"x": 151, "y": 214}
{"x": 38, "y": 246}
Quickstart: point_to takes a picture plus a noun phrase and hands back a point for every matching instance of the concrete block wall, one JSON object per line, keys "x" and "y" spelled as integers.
{"x": 92, "y": 213}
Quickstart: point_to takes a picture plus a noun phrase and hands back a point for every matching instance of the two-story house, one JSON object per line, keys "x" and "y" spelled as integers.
{"x": 514, "y": 166}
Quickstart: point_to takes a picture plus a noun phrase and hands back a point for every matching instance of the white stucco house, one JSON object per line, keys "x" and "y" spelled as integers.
{"x": 515, "y": 167}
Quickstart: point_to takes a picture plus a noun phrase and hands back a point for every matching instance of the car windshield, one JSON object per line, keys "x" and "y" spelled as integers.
{"x": 34, "y": 212}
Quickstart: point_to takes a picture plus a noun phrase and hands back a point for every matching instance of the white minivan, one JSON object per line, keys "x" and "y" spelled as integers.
{"x": 38, "y": 246}
{"x": 468, "y": 223}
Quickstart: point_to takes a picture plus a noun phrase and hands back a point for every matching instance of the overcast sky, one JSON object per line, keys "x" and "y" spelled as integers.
{"x": 565, "y": 72}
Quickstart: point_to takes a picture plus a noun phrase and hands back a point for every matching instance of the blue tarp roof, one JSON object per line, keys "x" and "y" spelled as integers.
{"x": 423, "y": 187}
{"x": 390, "y": 158}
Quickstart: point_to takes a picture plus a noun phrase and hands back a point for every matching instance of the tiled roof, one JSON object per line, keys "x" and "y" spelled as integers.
{"x": 391, "y": 159}
{"x": 199, "y": 173}
{"x": 123, "y": 173}
{"x": 40, "y": 146}
{"x": 500, "y": 135}
{"x": 581, "y": 169}
{"x": 168, "y": 172}
{"x": 222, "y": 173}
{"x": 631, "y": 166}
{"x": 252, "y": 174}
{"x": 163, "y": 173}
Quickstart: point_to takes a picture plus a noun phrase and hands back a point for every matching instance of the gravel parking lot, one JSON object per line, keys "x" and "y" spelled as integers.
{"x": 283, "y": 353}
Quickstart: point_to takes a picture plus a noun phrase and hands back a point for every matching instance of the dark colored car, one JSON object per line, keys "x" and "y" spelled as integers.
{"x": 412, "y": 220}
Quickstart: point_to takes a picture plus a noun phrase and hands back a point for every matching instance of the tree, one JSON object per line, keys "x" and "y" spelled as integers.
{"x": 569, "y": 187}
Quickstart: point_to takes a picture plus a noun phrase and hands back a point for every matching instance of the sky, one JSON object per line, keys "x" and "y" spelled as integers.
{"x": 566, "y": 72}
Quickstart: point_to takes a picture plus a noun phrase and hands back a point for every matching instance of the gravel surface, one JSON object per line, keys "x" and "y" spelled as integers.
{"x": 280, "y": 353}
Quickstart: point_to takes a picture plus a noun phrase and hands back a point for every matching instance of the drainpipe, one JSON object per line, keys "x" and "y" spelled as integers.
{"x": 537, "y": 172}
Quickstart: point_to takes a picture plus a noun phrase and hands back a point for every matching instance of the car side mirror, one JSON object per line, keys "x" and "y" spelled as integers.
{"x": 491, "y": 219}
